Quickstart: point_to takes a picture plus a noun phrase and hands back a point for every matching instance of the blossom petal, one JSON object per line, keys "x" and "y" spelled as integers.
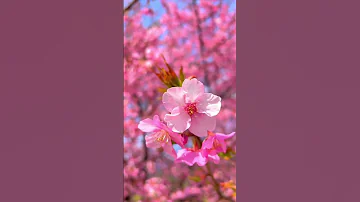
{"x": 221, "y": 136}
{"x": 148, "y": 125}
{"x": 156, "y": 118}
{"x": 222, "y": 147}
{"x": 177, "y": 138}
{"x": 191, "y": 157}
{"x": 201, "y": 123}
{"x": 151, "y": 141}
{"x": 210, "y": 154}
{"x": 214, "y": 157}
{"x": 173, "y": 97}
{"x": 193, "y": 89}
{"x": 209, "y": 104}
{"x": 168, "y": 148}
{"x": 186, "y": 138}
{"x": 178, "y": 121}
{"x": 208, "y": 142}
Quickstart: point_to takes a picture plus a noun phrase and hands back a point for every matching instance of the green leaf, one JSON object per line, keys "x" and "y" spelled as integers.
{"x": 176, "y": 82}
{"x": 228, "y": 155}
{"x": 195, "y": 178}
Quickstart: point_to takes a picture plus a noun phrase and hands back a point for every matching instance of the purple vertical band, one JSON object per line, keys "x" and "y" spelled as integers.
{"x": 298, "y": 101}
{"x": 61, "y": 101}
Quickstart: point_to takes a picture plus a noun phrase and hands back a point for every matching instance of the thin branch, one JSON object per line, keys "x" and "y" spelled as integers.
{"x": 201, "y": 42}
{"x": 146, "y": 156}
{"x": 128, "y": 8}
{"x": 216, "y": 185}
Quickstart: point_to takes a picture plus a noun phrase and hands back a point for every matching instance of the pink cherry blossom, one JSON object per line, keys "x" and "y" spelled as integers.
{"x": 216, "y": 141}
{"x": 200, "y": 156}
{"x": 171, "y": 29}
{"x": 191, "y": 108}
{"x": 211, "y": 146}
{"x": 211, "y": 155}
{"x": 156, "y": 188}
{"x": 190, "y": 157}
{"x": 160, "y": 136}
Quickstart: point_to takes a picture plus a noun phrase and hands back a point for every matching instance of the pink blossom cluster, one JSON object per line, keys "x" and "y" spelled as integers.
{"x": 190, "y": 109}
{"x": 209, "y": 53}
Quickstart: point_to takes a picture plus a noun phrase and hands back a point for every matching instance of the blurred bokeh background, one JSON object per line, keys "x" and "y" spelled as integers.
{"x": 199, "y": 35}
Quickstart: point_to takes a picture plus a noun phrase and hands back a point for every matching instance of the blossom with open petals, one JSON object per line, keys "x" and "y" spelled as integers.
{"x": 200, "y": 156}
{"x": 216, "y": 141}
{"x": 191, "y": 108}
{"x": 190, "y": 157}
{"x": 160, "y": 136}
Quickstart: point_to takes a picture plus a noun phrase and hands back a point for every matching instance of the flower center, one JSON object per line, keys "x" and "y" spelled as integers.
{"x": 191, "y": 108}
{"x": 163, "y": 136}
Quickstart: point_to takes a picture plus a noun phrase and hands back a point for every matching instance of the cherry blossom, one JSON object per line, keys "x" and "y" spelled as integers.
{"x": 216, "y": 141}
{"x": 160, "y": 136}
{"x": 200, "y": 36}
{"x": 191, "y": 108}
{"x": 201, "y": 157}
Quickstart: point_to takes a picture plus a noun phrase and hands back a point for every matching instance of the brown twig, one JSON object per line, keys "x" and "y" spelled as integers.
{"x": 201, "y": 42}
{"x": 128, "y": 8}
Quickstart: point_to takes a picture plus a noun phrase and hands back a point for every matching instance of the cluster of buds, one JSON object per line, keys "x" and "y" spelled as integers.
{"x": 169, "y": 77}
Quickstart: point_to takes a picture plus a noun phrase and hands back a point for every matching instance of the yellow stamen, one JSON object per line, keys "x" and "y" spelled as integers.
{"x": 163, "y": 136}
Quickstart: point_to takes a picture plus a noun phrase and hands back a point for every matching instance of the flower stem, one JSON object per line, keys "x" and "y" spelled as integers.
{"x": 195, "y": 139}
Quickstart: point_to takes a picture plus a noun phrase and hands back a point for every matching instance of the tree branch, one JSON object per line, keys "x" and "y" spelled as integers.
{"x": 128, "y": 8}
{"x": 216, "y": 185}
{"x": 201, "y": 42}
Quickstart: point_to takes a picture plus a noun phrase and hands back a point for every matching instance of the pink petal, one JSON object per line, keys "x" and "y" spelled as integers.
{"x": 223, "y": 146}
{"x": 168, "y": 148}
{"x": 221, "y": 136}
{"x": 191, "y": 157}
{"x": 173, "y": 97}
{"x": 151, "y": 141}
{"x": 209, "y": 104}
{"x": 181, "y": 153}
{"x": 148, "y": 125}
{"x": 156, "y": 118}
{"x": 201, "y": 123}
{"x": 214, "y": 157}
{"x": 177, "y": 138}
{"x": 208, "y": 142}
{"x": 178, "y": 121}
{"x": 193, "y": 88}
{"x": 186, "y": 138}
